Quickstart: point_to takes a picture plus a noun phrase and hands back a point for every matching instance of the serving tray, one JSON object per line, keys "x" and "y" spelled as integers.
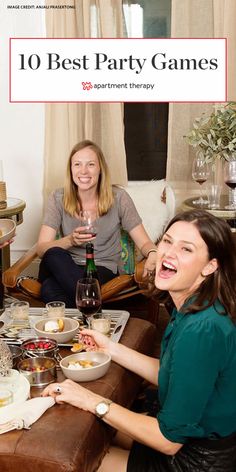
{"x": 15, "y": 332}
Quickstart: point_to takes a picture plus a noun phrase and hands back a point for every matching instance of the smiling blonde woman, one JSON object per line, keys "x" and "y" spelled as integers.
{"x": 87, "y": 187}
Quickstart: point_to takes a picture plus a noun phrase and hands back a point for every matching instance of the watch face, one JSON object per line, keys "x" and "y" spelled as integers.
{"x": 102, "y": 408}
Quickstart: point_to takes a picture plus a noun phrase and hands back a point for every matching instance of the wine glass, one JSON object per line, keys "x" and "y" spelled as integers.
{"x": 200, "y": 173}
{"x": 88, "y": 219}
{"x": 230, "y": 180}
{"x": 88, "y": 298}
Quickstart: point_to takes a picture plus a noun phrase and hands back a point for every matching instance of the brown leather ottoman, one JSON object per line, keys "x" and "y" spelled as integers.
{"x": 68, "y": 439}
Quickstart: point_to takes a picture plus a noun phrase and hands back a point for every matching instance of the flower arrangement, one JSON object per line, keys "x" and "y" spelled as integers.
{"x": 214, "y": 136}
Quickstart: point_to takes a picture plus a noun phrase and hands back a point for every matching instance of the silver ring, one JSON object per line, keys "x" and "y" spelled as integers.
{"x": 58, "y": 389}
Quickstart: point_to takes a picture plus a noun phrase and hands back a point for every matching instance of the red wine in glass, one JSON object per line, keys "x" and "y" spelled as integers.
{"x": 230, "y": 180}
{"x": 200, "y": 181}
{"x": 200, "y": 174}
{"x": 88, "y": 307}
{"x": 231, "y": 183}
{"x": 88, "y": 298}
{"x": 88, "y": 219}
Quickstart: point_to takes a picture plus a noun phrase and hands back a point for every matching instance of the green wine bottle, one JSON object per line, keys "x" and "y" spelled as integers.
{"x": 90, "y": 271}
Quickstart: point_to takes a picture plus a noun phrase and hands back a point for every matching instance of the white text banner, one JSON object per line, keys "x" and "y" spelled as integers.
{"x": 117, "y": 70}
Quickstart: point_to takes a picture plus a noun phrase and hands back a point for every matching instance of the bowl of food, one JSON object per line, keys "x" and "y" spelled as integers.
{"x": 85, "y": 366}
{"x": 61, "y": 330}
{"x": 7, "y": 229}
{"x": 39, "y": 371}
{"x": 39, "y": 347}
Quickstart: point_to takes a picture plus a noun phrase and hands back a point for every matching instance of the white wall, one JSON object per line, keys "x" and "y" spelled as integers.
{"x": 21, "y": 127}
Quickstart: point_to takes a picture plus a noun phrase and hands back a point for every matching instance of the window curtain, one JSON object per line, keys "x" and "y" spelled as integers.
{"x": 68, "y": 123}
{"x": 206, "y": 19}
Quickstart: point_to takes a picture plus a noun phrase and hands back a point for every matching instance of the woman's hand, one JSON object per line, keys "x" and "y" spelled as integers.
{"x": 79, "y": 236}
{"x": 150, "y": 266}
{"x": 6, "y": 243}
{"x": 72, "y": 393}
{"x": 95, "y": 341}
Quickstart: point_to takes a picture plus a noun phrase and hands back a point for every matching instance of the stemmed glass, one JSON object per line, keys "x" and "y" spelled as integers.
{"x": 88, "y": 298}
{"x": 88, "y": 219}
{"x": 200, "y": 173}
{"x": 230, "y": 180}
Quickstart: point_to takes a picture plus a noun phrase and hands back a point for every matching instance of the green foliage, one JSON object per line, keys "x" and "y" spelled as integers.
{"x": 214, "y": 136}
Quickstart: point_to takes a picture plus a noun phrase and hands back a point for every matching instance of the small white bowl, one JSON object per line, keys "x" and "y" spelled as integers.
{"x": 101, "y": 359}
{"x": 71, "y": 327}
{"x": 7, "y": 229}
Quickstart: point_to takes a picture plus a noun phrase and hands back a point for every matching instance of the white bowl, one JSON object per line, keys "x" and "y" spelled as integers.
{"x": 7, "y": 229}
{"x": 71, "y": 327}
{"x": 102, "y": 360}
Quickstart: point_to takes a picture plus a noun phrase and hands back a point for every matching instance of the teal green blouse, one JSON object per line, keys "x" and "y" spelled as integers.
{"x": 197, "y": 377}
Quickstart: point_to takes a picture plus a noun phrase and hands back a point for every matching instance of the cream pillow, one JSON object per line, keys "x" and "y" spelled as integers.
{"x": 149, "y": 199}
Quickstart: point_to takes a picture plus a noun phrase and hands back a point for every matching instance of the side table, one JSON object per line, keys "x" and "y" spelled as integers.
{"x": 13, "y": 209}
{"x": 221, "y": 212}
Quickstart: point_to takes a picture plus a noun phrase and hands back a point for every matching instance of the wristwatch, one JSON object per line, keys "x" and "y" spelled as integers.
{"x": 102, "y": 408}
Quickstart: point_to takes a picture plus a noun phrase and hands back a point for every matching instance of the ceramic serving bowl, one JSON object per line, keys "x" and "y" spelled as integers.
{"x": 98, "y": 365}
{"x": 70, "y": 328}
{"x": 39, "y": 371}
{"x": 7, "y": 229}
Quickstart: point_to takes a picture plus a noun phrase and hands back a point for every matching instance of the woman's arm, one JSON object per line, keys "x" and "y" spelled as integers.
{"x": 142, "y": 365}
{"x": 146, "y": 247}
{"x": 144, "y": 429}
{"x": 142, "y": 240}
{"x": 47, "y": 239}
{"x": 141, "y": 428}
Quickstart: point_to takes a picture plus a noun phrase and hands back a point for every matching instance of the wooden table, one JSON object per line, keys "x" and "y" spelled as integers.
{"x": 66, "y": 439}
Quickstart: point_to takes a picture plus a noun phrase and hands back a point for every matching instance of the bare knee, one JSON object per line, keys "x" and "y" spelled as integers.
{"x": 123, "y": 441}
{"x": 115, "y": 459}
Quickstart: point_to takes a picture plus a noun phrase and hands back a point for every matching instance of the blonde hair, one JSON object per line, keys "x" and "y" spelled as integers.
{"x": 104, "y": 190}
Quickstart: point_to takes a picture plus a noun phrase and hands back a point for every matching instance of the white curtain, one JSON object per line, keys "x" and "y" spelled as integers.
{"x": 69, "y": 123}
{"x": 206, "y": 19}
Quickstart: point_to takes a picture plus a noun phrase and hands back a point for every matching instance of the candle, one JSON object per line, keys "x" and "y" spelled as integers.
{"x": 101, "y": 323}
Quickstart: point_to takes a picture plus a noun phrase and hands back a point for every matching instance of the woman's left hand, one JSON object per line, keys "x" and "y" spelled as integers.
{"x": 150, "y": 265}
{"x": 72, "y": 393}
{"x": 6, "y": 243}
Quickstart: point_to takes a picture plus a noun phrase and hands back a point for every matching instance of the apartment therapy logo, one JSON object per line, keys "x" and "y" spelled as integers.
{"x": 106, "y": 66}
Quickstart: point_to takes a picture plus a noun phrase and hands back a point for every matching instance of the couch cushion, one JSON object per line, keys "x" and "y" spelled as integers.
{"x": 155, "y": 203}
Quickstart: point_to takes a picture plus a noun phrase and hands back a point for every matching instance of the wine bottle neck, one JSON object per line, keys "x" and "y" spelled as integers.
{"x": 89, "y": 256}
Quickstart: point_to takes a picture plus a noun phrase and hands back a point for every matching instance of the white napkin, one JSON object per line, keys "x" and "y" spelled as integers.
{"x": 27, "y": 413}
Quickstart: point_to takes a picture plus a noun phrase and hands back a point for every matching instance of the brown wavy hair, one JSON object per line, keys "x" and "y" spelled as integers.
{"x": 71, "y": 201}
{"x": 221, "y": 285}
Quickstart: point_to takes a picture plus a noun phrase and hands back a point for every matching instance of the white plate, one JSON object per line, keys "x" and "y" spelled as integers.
{"x": 19, "y": 386}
